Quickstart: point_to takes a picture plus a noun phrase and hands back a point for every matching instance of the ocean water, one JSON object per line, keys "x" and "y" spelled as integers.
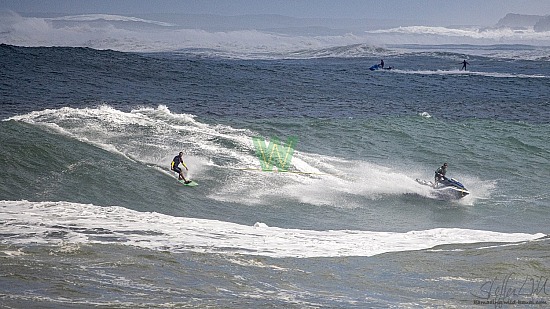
{"x": 90, "y": 214}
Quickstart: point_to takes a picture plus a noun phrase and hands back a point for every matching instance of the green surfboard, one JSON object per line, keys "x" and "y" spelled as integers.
{"x": 191, "y": 184}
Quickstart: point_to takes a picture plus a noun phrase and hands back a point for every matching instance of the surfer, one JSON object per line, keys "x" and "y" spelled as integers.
{"x": 440, "y": 173}
{"x": 464, "y": 63}
{"x": 381, "y": 63}
{"x": 177, "y": 160}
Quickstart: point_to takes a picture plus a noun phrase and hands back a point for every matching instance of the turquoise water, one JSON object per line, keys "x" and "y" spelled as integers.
{"x": 90, "y": 214}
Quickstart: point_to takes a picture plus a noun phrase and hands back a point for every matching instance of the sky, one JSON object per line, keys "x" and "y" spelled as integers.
{"x": 433, "y": 12}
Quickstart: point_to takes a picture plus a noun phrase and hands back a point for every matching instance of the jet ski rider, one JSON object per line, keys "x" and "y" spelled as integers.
{"x": 440, "y": 174}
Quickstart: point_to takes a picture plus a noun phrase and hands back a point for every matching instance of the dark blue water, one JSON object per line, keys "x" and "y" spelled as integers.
{"x": 318, "y": 88}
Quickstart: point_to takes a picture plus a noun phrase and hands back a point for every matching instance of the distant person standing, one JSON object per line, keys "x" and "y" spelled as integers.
{"x": 464, "y": 63}
{"x": 381, "y": 63}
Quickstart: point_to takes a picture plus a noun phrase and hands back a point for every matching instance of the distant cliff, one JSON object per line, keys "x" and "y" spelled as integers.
{"x": 543, "y": 24}
{"x": 524, "y": 21}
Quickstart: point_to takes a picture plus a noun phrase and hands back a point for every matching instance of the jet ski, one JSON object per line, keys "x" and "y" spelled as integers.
{"x": 446, "y": 188}
{"x": 375, "y": 67}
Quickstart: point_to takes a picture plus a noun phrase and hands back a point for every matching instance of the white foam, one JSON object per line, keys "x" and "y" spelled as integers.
{"x": 144, "y": 134}
{"x": 250, "y": 43}
{"x": 13, "y": 252}
{"x": 33, "y": 222}
{"x": 108, "y": 17}
{"x": 469, "y": 73}
{"x": 463, "y": 35}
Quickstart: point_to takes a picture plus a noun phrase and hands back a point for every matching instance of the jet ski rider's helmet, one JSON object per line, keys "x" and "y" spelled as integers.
{"x": 445, "y": 164}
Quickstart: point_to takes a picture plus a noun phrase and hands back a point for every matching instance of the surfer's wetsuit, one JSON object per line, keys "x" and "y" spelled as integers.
{"x": 177, "y": 160}
{"x": 464, "y": 63}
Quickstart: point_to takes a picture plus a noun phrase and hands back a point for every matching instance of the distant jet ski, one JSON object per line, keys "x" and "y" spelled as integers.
{"x": 447, "y": 188}
{"x": 375, "y": 67}
{"x": 379, "y": 67}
